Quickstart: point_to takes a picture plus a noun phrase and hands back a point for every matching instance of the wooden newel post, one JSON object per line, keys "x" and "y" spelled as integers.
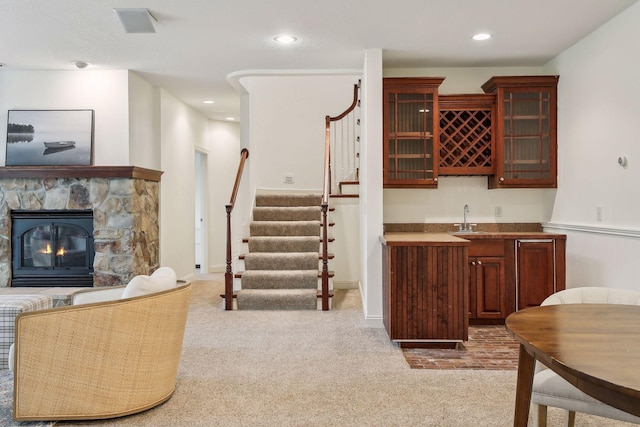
{"x": 228, "y": 275}
{"x": 325, "y": 258}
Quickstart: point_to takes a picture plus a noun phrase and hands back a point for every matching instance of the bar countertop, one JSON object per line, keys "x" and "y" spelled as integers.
{"x": 420, "y": 238}
{"x": 413, "y": 238}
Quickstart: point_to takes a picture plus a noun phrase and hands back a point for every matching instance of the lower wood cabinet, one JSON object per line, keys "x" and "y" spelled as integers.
{"x": 424, "y": 292}
{"x": 509, "y": 274}
{"x": 435, "y": 285}
{"x": 487, "y": 299}
{"x": 540, "y": 270}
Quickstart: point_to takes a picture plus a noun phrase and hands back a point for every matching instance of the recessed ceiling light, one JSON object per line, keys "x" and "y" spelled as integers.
{"x": 208, "y": 101}
{"x": 285, "y": 39}
{"x": 481, "y": 36}
{"x": 231, "y": 118}
{"x": 81, "y": 64}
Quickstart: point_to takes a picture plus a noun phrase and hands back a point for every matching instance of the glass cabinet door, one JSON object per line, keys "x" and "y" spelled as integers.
{"x": 526, "y": 136}
{"x": 409, "y": 132}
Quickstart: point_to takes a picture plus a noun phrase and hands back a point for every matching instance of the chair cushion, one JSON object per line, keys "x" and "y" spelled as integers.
{"x": 550, "y": 389}
{"x": 162, "y": 279}
{"x": 594, "y": 295}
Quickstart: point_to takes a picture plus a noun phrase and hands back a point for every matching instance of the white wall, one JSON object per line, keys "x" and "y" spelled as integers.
{"x": 444, "y": 204}
{"x": 135, "y": 124}
{"x": 182, "y": 128}
{"x": 144, "y": 123}
{"x": 599, "y": 101}
{"x": 371, "y": 199}
{"x": 105, "y": 92}
{"x": 283, "y": 128}
{"x": 286, "y": 134}
{"x": 346, "y": 247}
{"x": 223, "y": 155}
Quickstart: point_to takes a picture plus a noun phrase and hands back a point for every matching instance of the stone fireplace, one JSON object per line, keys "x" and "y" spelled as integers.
{"x": 123, "y": 199}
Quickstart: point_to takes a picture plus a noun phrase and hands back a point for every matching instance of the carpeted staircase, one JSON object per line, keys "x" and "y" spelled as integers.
{"x": 282, "y": 263}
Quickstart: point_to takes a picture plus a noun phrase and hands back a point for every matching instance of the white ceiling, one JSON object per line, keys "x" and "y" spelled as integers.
{"x": 198, "y": 43}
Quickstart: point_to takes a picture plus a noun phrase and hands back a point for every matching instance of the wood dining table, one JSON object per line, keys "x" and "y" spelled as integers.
{"x": 595, "y": 347}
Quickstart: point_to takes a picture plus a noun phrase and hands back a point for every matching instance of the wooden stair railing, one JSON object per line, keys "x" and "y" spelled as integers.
{"x": 326, "y": 191}
{"x": 228, "y": 276}
{"x": 344, "y": 131}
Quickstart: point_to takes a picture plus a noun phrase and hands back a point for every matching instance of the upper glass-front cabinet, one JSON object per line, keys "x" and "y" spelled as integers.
{"x": 411, "y": 132}
{"x": 526, "y": 148}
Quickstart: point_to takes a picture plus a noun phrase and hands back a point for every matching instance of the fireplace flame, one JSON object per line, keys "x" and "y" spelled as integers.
{"x": 60, "y": 252}
{"x": 47, "y": 250}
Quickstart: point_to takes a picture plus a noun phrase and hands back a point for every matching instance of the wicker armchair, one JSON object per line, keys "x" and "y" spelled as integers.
{"x": 99, "y": 360}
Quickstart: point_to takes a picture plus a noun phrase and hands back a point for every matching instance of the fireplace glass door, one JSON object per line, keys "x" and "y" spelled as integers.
{"x": 55, "y": 246}
{"x": 52, "y": 248}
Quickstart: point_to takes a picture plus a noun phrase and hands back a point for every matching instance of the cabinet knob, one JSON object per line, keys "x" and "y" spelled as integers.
{"x": 473, "y": 263}
{"x": 501, "y": 179}
{"x": 435, "y": 179}
{"x": 479, "y": 262}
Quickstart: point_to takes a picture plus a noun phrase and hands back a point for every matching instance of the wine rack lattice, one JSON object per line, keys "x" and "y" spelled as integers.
{"x": 465, "y": 141}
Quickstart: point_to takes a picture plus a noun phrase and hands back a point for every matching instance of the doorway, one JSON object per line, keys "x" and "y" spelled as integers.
{"x": 201, "y": 213}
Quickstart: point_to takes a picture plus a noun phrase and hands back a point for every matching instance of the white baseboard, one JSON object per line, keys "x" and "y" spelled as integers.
{"x": 345, "y": 285}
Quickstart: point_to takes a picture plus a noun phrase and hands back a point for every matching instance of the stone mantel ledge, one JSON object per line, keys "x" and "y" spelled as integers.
{"x": 36, "y": 172}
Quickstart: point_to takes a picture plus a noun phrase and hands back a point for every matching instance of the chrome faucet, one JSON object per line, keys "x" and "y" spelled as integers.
{"x": 465, "y": 211}
{"x": 465, "y": 226}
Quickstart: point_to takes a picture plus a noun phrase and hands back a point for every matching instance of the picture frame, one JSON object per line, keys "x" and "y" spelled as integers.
{"x": 49, "y": 138}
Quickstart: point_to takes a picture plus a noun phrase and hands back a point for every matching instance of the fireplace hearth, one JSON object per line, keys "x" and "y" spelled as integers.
{"x": 52, "y": 248}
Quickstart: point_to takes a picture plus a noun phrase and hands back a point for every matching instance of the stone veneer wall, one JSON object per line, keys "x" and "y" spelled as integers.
{"x": 125, "y": 220}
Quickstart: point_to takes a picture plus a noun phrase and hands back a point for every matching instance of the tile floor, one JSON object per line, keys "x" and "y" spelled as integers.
{"x": 489, "y": 347}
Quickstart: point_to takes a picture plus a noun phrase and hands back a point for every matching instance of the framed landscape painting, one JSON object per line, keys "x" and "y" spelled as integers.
{"x": 49, "y": 138}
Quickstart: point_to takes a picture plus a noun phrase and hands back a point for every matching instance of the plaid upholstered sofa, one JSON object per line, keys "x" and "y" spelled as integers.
{"x": 101, "y": 359}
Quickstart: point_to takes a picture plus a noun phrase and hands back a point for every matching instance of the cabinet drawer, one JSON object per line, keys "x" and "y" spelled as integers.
{"x": 487, "y": 247}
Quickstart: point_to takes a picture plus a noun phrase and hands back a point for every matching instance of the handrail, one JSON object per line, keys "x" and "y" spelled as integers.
{"x": 326, "y": 190}
{"x": 351, "y": 107}
{"x": 228, "y": 275}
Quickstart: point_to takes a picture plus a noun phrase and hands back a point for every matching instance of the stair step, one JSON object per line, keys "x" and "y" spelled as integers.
{"x": 330, "y": 240}
{"x": 281, "y": 261}
{"x": 277, "y": 213}
{"x": 238, "y": 275}
{"x": 345, "y": 196}
{"x": 280, "y": 279}
{"x": 284, "y": 228}
{"x": 244, "y": 256}
{"x": 277, "y": 299}
{"x": 284, "y": 252}
{"x": 288, "y": 199}
{"x": 283, "y": 244}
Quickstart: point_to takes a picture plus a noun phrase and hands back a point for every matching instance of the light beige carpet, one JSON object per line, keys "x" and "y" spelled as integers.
{"x": 305, "y": 368}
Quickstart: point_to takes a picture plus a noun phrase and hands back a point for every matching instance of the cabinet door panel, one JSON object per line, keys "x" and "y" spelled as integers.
{"x": 536, "y": 272}
{"x": 490, "y": 288}
{"x": 526, "y": 131}
{"x": 473, "y": 286}
{"x": 410, "y": 131}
